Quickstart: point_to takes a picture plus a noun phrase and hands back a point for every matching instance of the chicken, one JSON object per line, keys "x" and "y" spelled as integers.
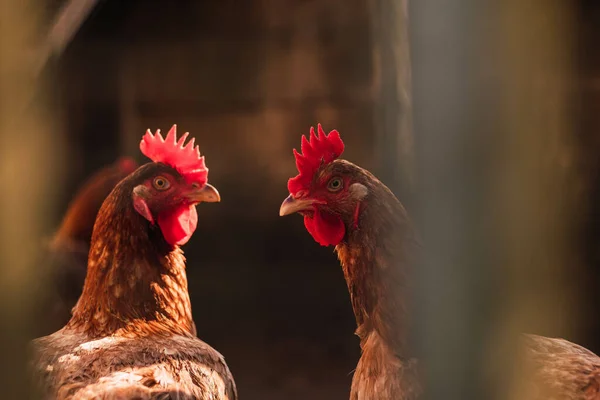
{"x": 557, "y": 369}
{"x": 131, "y": 335}
{"x": 66, "y": 253}
{"x": 347, "y": 207}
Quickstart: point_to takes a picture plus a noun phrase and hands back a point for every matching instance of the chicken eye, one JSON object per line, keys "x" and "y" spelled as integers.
{"x": 335, "y": 184}
{"x": 161, "y": 183}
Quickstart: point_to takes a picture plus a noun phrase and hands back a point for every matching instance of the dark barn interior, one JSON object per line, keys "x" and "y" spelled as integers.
{"x": 247, "y": 79}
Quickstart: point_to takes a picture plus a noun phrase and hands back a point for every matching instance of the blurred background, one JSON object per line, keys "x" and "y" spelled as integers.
{"x": 486, "y": 129}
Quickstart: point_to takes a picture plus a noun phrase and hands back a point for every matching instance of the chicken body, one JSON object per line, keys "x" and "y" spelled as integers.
{"x": 74, "y": 366}
{"x": 131, "y": 335}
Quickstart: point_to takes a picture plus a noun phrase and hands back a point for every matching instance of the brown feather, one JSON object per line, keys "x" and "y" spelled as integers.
{"x": 376, "y": 256}
{"x": 73, "y": 366}
{"x": 65, "y": 256}
{"x": 558, "y": 369}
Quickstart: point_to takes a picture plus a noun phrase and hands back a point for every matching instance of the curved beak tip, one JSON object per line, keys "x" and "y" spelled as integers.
{"x": 291, "y": 205}
{"x": 213, "y": 193}
{"x": 208, "y": 194}
{"x": 285, "y": 206}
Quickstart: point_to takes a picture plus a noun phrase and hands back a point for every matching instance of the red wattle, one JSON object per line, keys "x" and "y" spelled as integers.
{"x": 178, "y": 225}
{"x": 327, "y": 229}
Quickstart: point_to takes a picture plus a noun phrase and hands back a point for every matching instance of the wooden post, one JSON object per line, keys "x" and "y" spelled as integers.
{"x": 494, "y": 170}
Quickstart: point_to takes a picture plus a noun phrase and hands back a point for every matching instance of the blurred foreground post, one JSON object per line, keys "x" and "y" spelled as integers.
{"x": 393, "y": 124}
{"x": 494, "y": 167}
{"x": 29, "y": 154}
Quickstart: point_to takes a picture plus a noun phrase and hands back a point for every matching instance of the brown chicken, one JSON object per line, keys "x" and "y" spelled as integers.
{"x": 558, "y": 369}
{"x": 347, "y": 207}
{"x": 131, "y": 335}
{"x": 67, "y": 252}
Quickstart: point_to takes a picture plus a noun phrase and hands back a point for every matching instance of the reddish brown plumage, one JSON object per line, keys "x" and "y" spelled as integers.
{"x": 134, "y": 274}
{"x": 376, "y": 254}
{"x": 132, "y": 333}
{"x": 65, "y": 258}
{"x": 557, "y": 369}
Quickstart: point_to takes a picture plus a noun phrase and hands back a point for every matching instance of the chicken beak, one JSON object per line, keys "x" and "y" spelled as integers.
{"x": 291, "y": 205}
{"x": 208, "y": 194}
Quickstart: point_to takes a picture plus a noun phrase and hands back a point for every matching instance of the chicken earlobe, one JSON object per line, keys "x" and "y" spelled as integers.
{"x": 140, "y": 204}
{"x": 358, "y": 191}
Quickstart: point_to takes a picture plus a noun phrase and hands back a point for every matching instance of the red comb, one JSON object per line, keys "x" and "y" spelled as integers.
{"x": 321, "y": 149}
{"x": 185, "y": 159}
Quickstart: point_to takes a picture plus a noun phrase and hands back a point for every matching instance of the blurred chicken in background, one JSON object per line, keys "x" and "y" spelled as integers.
{"x": 66, "y": 252}
{"x": 558, "y": 369}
